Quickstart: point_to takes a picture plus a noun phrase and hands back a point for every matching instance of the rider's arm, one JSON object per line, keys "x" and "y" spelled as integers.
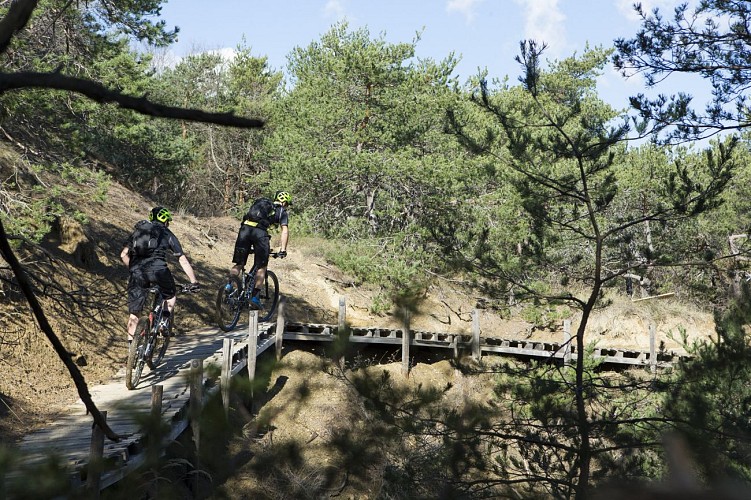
{"x": 125, "y": 256}
{"x": 187, "y": 268}
{"x": 284, "y": 238}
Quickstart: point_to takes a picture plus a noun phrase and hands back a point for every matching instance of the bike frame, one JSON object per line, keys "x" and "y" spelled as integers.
{"x": 232, "y": 301}
{"x": 149, "y": 344}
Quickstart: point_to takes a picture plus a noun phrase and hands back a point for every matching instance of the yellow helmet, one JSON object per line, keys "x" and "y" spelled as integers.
{"x": 283, "y": 197}
{"x": 160, "y": 214}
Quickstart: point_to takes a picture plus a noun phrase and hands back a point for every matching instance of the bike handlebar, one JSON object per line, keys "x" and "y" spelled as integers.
{"x": 189, "y": 288}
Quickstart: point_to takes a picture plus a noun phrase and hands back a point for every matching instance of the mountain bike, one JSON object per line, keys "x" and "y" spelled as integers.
{"x": 151, "y": 338}
{"x": 234, "y": 296}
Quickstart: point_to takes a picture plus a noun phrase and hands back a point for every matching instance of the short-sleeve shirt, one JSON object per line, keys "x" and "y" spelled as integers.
{"x": 280, "y": 215}
{"x": 168, "y": 243}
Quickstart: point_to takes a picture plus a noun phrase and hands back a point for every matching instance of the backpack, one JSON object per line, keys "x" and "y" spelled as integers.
{"x": 146, "y": 238}
{"x": 262, "y": 211}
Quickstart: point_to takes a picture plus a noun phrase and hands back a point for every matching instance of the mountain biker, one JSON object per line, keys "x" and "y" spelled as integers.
{"x": 145, "y": 254}
{"x": 253, "y": 232}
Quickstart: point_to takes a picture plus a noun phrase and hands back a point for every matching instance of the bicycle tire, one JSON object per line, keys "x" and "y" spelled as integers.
{"x": 134, "y": 365}
{"x": 161, "y": 342}
{"x": 229, "y": 304}
{"x": 269, "y": 296}
{"x": 159, "y": 346}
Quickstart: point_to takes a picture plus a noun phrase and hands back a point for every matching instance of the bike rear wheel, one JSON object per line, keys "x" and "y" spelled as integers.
{"x": 229, "y": 304}
{"x": 269, "y": 296}
{"x": 161, "y": 342}
{"x": 136, "y": 360}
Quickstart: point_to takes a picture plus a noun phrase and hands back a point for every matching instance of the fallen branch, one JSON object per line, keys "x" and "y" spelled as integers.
{"x": 661, "y": 296}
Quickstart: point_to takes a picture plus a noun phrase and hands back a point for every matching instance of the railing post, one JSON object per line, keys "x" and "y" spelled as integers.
{"x": 154, "y": 446}
{"x": 196, "y": 399}
{"x": 342, "y": 314}
{"x": 156, "y": 401}
{"x": 194, "y": 410}
{"x": 566, "y": 341}
{"x": 342, "y": 334}
{"x": 96, "y": 457}
{"x": 476, "y": 351}
{"x": 225, "y": 379}
{"x": 252, "y": 347}
{"x": 280, "y": 320}
{"x": 652, "y": 352}
{"x": 405, "y": 342}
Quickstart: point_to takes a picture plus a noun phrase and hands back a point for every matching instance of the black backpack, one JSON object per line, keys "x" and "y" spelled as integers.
{"x": 262, "y": 211}
{"x": 147, "y": 238}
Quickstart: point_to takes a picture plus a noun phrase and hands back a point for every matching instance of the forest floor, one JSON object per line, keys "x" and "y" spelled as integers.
{"x": 84, "y": 261}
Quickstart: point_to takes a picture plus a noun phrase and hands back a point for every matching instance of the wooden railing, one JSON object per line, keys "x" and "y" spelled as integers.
{"x": 240, "y": 351}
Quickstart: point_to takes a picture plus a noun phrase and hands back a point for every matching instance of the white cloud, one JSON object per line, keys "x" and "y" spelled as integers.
{"x": 165, "y": 58}
{"x": 227, "y": 53}
{"x": 544, "y": 22}
{"x": 335, "y": 9}
{"x": 463, "y": 7}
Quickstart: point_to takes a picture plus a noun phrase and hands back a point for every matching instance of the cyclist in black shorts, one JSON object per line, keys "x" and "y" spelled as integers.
{"x": 145, "y": 254}
{"x": 254, "y": 233}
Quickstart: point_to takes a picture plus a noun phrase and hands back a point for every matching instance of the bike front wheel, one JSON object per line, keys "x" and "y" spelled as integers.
{"x": 269, "y": 296}
{"x": 229, "y": 302}
{"x": 136, "y": 360}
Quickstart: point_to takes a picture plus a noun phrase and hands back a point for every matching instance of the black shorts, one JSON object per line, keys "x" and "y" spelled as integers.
{"x": 259, "y": 239}
{"x": 141, "y": 280}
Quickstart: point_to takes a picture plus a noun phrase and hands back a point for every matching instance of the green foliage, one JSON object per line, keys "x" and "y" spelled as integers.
{"x": 360, "y": 138}
{"x": 38, "y": 199}
{"x": 544, "y": 316}
{"x": 716, "y": 51}
{"x": 537, "y": 423}
{"x": 222, "y": 169}
{"x": 79, "y": 40}
{"x": 399, "y": 273}
{"x": 709, "y": 398}
{"x": 534, "y": 196}
{"x": 590, "y": 218}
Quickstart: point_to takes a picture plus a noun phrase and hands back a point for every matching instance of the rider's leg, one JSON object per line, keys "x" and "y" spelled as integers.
{"x": 242, "y": 247}
{"x": 260, "y": 276}
{"x": 171, "y": 304}
{"x": 136, "y": 300}
{"x": 166, "y": 284}
{"x": 262, "y": 246}
{"x": 132, "y": 322}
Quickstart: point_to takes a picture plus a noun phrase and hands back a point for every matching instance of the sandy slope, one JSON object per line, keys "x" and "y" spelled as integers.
{"x": 34, "y": 384}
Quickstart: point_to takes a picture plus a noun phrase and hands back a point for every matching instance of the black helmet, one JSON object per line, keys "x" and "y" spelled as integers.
{"x": 160, "y": 214}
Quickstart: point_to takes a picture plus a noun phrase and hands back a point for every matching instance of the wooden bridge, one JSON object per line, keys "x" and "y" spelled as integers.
{"x": 177, "y": 386}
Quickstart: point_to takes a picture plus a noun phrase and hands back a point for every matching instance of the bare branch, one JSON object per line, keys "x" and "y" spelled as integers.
{"x": 15, "y": 20}
{"x": 81, "y": 386}
{"x": 99, "y": 93}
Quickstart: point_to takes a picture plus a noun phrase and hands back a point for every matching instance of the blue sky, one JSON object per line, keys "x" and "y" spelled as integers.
{"x": 485, "y": 33}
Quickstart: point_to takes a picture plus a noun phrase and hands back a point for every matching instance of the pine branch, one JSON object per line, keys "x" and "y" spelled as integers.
{"x": 101, "y": 94}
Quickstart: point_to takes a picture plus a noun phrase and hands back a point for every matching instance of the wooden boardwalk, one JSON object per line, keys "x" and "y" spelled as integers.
{"x": 70, "y": 437}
